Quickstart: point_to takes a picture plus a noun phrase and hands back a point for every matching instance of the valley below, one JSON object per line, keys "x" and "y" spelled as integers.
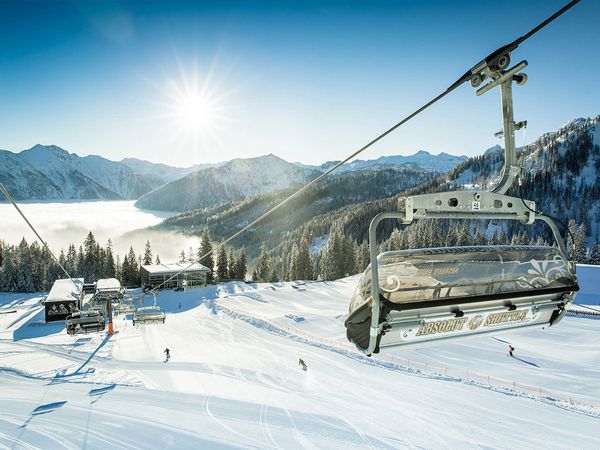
{"x": 68, "y": 222}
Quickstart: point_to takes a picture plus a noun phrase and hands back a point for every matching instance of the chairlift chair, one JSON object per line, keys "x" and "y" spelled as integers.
{"x": 148, "y": 315}
{"x": 83, "y": 322}
{"x": 126, "y": 309}
{"x": 427, "y": 295}
{"x": 126, "y": 306}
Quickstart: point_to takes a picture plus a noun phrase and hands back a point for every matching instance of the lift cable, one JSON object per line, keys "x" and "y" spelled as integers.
{"x": 10, "y": 199}
{"x": 466, "y": 77}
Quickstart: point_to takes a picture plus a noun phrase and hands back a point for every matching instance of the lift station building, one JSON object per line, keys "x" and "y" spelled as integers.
{"x": 63, "y": 299}
{"x": 156, "y": 274}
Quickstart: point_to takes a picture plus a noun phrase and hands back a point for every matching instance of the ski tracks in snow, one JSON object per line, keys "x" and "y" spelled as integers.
{"x": 345, "y": 351}
{"x": 221, "y": 423}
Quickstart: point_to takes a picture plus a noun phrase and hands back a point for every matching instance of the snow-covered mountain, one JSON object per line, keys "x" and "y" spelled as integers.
{"x": 163, "y": 173}
{"x": 561, "y": 176}
{"x": 561, "y": 173}
{"x": 233, "y": 181}
{"x": 46, "y": 172}
{"x": 422, "y": 160}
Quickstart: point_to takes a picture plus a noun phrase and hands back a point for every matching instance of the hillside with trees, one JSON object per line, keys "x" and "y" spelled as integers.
{"x": 560, "y": 174}
{"x": 323, "y": 233}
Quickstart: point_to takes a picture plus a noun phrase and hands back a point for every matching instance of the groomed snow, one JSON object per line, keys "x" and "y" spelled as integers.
{"x": 233, "y": 380}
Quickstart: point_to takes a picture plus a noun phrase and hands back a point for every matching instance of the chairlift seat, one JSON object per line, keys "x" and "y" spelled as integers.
{"x": 84, "y": 322}
{"x": 126, "y": 308}
{"x": 148, "y": 315}
{"x": 442, "y": 293}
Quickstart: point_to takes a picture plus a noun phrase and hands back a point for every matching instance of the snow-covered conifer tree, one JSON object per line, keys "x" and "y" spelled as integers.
{"x": 240, "y": 265}
{"x": 222, "y": 269}
{"x": 205, "y": 256}
{"x": 147, "y": 254}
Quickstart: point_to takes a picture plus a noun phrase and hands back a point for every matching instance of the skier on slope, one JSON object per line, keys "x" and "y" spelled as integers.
{"x": 511, "y": 349}
{"x": 302, "y": 364}
{"x": 167, "y": 352}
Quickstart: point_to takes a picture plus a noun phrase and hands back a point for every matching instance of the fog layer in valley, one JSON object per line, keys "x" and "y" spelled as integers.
{"x": 69, "y": 222}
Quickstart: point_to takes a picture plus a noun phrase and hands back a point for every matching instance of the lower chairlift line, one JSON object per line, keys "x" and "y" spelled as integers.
{"x": 433, "y": 294}
{"x": 83, "y": 322}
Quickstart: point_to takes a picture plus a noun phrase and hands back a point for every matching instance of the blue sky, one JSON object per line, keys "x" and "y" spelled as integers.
{"x": 308, "y": 81}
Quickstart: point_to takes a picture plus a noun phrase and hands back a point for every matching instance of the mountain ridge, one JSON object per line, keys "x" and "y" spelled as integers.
{"x": 230, "y": 182}
{"x": 47, "y": 172}
{"x": 562, "y": 173}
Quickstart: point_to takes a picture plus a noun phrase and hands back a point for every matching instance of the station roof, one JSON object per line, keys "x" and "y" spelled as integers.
{"x": 174, "y": 268}
{"x": 65, "y": 289}
{"x": 108, "y": 284}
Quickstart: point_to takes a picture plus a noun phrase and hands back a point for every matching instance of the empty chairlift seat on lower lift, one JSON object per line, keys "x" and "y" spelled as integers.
{"x": 125, "y": 308}
{"x": 441, "y": 293}
{"x": 84, "y": 322}
{"x": 148, "y": 315}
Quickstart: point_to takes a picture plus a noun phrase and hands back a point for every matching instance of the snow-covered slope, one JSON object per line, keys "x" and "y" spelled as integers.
{"x": 49, "y": 172}
{"x": 570, "y": 154}
{"x": 233, "y": 181}
{"x": 233, "y": 380}
{"x": 422, "y": 160}
{"x": 560, "y": 172}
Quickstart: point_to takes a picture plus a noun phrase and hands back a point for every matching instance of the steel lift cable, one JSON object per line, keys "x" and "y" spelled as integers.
{"x": 497, "y": 57}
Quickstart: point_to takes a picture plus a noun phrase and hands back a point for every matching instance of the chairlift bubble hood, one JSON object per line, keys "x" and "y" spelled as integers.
{"x": 437, "y": 294}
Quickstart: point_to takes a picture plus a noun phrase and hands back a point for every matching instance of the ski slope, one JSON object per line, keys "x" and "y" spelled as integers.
{"x": 233, "y": 380}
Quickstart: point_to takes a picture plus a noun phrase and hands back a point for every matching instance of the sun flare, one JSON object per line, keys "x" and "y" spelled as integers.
{"x": 195, "y": 108}
{"x": 196, "y": 112}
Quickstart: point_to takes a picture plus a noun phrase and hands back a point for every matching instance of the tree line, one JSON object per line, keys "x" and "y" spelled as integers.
{"x": 31, "y": 267}
{"x": 342, "y": 256}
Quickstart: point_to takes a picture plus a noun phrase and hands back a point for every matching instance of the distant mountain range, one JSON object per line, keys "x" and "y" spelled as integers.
{"x": 230, "y": 182}
{"x": 48, "y": 172}
{"x": 422, "y": 160}
{"x": 162, "y": 173}
{"x": 562, "y": 175}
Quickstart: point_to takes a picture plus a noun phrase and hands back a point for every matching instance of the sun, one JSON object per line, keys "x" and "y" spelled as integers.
{"x": 195, "y": 111}
{"x": 195, "y": 108}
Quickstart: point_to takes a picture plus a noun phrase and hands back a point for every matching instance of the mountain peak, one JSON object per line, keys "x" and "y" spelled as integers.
{"x": 495, "y": 148}
{"x": 422, "y": 153}
{"x": 270, "y": 156}
{"x": 47, "y": 148}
